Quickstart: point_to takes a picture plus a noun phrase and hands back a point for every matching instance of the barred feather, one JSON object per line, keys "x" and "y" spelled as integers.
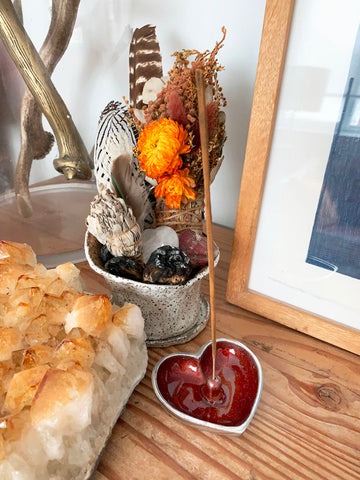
{"x": 144, "y": 62}
{"x": 113, "y": 158}
{"x": 114, "y": 137}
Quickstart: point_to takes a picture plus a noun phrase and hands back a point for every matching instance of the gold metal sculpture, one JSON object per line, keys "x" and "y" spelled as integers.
{"x": 73, "y": 161}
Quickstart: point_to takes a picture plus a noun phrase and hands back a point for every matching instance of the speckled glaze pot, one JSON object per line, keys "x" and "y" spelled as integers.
{"x": 173, "y": 314}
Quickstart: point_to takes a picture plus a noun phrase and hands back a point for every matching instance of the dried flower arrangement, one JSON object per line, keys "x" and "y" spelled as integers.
{"x": 148, "y": 162}
{"x": 170, "y": 123}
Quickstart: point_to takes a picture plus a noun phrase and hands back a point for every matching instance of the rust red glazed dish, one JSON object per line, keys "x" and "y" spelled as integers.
{"x": 180, "y": 382}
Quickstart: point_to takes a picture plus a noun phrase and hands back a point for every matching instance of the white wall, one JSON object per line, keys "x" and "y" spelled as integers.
{"x": 94, "y": 69}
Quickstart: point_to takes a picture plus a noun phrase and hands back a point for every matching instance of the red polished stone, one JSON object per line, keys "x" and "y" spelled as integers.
{"x": 194, "y": 244}
{"x": 182, "y": 380}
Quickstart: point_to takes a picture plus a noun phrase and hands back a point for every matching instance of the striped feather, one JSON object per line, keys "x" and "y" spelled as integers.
{"x": 113, "y": 158}
{"x": 144, "y": 62}
{"x": 114, "y": 137}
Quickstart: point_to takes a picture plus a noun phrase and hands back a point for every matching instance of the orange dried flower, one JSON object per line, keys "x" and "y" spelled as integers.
{"x": 160, "y": 145}
{"x": 176, "y": 188}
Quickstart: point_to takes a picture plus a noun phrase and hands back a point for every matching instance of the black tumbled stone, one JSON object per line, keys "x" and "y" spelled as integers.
{"x": 105, "y": 254}
{"x": 167, "y": 265}
{"x": 125, "y": 267}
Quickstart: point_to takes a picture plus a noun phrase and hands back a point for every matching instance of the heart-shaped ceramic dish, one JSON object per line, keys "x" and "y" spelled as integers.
{"x": 179, "y": 380}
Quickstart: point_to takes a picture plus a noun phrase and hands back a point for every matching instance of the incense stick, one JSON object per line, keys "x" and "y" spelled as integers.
{"x": 203, "y": 122}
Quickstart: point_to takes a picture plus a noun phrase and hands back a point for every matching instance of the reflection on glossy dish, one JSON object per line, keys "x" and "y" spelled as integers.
{"x": 183, "y": 379}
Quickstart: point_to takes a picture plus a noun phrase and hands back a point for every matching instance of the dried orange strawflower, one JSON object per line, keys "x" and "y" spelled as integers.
{"x": 160, "y": 145}
{"x": 176, "y": 188}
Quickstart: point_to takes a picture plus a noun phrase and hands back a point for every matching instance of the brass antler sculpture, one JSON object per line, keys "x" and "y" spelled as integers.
{"x": 73, "y": 158}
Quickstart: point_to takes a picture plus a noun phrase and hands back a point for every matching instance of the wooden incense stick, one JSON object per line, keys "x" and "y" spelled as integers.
{"x": 203, "y": 122}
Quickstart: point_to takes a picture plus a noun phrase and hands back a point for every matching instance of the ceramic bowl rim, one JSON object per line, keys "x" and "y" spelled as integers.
{"x": 233, "y": 430}
{"x": 127, "y": 281}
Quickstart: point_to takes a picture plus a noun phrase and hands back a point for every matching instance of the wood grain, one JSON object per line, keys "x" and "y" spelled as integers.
{"x": 307, "y": 425}
{"x": 277, "y": 23}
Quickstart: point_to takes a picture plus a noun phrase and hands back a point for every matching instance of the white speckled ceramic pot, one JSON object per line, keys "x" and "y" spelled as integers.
{"x": 173, "y": 314}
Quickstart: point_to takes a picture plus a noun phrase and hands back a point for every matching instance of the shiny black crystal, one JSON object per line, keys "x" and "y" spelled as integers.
{"x": 125, "y": 267}
{"x": 105, "y": 254}
{"x": 167, "y": 265}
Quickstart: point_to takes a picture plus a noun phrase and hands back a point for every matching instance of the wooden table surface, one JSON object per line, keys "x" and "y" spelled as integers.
{"x": 307, "y": 425}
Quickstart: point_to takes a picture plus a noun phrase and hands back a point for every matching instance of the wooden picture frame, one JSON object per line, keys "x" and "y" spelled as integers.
{"x": 276, "y": 29}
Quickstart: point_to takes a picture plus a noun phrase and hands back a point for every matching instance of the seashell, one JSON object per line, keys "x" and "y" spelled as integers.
{"x": 113, "y": 224}
{"x": 151, "y": 89}
{"x": 115, "y": 136}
